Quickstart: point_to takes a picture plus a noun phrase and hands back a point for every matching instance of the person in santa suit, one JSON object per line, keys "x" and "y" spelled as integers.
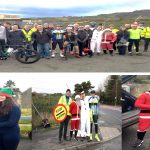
{"x": 85, "y": 117}
{"x": 75, "y": 116}
{"x": 108, "y": 38}
{"x": 143, "y": 103}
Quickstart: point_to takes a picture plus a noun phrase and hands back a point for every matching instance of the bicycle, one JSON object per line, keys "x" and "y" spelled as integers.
{"x": 23, "y": 53}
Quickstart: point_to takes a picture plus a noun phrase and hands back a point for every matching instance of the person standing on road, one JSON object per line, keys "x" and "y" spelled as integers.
{"x": 108, "y": 39}
{"x": 42, "y": 38}
{"x": 143, "y": 102}
{"x": 71, "y": 39}
{"x": 114, "y": 30}
{"x": 9, "y": 118}
{"x": 15, "y": 37}
{"x": 85, "y": 117}
{"x": 96, "y": 39}
{"x": 146, "y": 32}
{"x": 75, "y": 117}
{"x": 94, "y": 110}
{"x": 134, "y": 38}
{"x": 82, "y": 37}
{"x": 122, "y": 40}
{"x": 65, "y": 100}
{"x": 3, "y": 40}
{"x": 57, "y": 38}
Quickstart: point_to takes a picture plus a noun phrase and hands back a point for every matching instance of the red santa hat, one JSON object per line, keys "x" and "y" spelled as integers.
{"x": 134, "y": 25}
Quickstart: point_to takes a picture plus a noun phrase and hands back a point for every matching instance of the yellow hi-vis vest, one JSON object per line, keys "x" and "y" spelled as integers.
{"x": 27, "y": 34}
{"x": 63, "y": 101}
{"x": 115, "y": 30}
{"x": 135, "y": 34}
{"x": 146, "y": 32}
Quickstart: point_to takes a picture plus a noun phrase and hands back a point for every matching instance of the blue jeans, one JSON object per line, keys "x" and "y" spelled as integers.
{"x": 43, "y": 49}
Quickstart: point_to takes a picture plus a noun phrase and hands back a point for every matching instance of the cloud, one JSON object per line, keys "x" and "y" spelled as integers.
{"x": 46, "y": 8}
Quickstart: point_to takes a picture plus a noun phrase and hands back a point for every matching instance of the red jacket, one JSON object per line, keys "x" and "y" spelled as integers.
{"x": 74, "y": 110}
{"x": 111, "y": 37}
{"x": 143, "y": 102}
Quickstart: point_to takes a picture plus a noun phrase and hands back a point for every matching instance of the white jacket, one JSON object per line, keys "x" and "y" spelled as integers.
{"x": 3, "y": 33}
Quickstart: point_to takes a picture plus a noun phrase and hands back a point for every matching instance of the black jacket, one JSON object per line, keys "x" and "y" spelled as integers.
{"x": 122, "y": 35}
{"x": 15, "y": 37}
{"x": 42, "y": 38}
{"x": 82, "y": 36}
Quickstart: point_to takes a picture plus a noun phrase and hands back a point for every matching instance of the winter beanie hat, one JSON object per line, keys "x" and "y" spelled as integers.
{"x": 8, "y": 92}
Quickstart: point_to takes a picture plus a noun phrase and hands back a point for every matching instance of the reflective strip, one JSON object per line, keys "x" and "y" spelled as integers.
{"x": 75, "y": 119}
{"x": 145, "y": 117}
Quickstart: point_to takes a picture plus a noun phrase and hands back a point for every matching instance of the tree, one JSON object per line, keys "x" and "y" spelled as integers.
{"x": 9, "y": 83}
{"x": 112, "y": 90}
{"x": 84, "y": 86}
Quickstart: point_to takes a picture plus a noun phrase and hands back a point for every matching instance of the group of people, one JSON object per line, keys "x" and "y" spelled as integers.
{"x": 81, "y": 40}
{"x": 83, "y": 111}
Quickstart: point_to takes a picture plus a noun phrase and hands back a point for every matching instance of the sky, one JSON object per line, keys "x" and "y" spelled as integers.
{"x": 59, "y": 8}
{"x": 52, "y": 82}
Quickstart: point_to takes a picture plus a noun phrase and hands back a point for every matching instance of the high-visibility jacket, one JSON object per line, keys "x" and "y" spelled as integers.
{"x": 63, "y": 101}
{"x": 143, "y": 102}
{"x": 115, "y": 30}
{"x": 146, "y": 32}
{"x": 34, "y": 29}
{"x": 94, "y": 106}
{"x": 135, "y": 34}
{"x": 142, "y": 32}
{"x": 28, "y": 34}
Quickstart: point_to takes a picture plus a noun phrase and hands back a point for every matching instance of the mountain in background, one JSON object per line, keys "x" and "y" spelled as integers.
{"x": 128, "y": 15}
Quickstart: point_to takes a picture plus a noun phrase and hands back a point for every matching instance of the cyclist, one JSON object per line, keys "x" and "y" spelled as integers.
{"x": 57, "y": 38}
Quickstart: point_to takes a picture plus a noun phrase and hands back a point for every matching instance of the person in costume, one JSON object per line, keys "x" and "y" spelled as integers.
{"x": 85, "y": 117}
{"x": 143, "y": 103}
{"x": 75, "y": 117}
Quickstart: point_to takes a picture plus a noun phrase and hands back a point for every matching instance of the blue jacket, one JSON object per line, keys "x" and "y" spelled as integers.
{"x": 9, "y": 123}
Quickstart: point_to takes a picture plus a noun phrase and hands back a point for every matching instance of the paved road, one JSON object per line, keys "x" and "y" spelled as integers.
{"x": 129, "y": 136}
{"x": 25, "y": 145}
{"x": 103, "y": 63}
{"x": 114, "y": 144}
{"x": 110, "y": 116}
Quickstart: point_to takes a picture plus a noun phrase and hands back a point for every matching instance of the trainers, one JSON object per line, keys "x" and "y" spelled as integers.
{"x": 82, "y": 139}
{"x": 88, "y": 139}
{"x": 138, "y": 53}
{"x": 53, "y": 55}
{"x": 138, "y": 143}
{"x": 61, "y": 55}
{"x": 97, "y": 138}
{"x": 91, "y": 137}
{"x": 130, "y": 53}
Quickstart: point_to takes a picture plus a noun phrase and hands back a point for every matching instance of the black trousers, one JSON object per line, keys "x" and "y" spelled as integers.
{"x": 146, "y": 43}
{"x": 135, "y": 42}
{"x": 59, "y": 42}
{"x": 2, "y": 47}
{"x": 95, "y": 121}
{"x": 81, "y": 47}
{"x": 64, "y": 125}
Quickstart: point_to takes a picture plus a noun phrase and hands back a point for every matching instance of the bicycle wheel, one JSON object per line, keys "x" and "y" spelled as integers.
{"x": 27, "y": 56}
